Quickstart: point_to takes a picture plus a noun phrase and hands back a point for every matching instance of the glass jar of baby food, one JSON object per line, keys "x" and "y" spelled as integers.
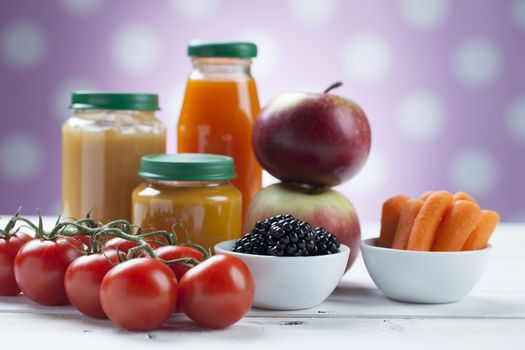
{"x": 192, "y": 191}
{"x": 220, "y": 107}
{"x": 102, "y": 144}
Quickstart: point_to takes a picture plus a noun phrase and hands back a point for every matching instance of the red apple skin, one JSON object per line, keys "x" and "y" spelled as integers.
{"x": 326, "y": 208}
{"x": 316, "y": 139}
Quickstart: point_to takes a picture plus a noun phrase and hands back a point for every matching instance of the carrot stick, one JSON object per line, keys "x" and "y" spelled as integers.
{"x": 425, "y": 195}
{"x": 460, "y": 221}
{"x": 479, "y": 238}
{"x": 464, "y": 196}
{"x": 428, "y": 220}
{"x": 406, "y": 221}
{"x": 390, "y": 218}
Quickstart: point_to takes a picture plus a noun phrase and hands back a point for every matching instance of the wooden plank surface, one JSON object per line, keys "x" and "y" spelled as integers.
{"x": 493, "y": 314}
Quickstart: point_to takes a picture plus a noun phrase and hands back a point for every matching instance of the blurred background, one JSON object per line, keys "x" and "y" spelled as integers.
{"x": 442, "y": 83}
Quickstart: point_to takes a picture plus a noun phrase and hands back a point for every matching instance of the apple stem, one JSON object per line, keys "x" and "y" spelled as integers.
{"x": 317, "y": 189}
{"x": 306, "y": 188}
{"x": 333, "y": 86}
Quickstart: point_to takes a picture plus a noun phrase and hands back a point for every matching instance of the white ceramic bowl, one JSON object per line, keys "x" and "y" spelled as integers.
{"x": 424, "y": 277}
{"x": 291, "y": 283}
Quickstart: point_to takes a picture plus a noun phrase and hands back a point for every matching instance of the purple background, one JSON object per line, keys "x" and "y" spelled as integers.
{"x": 442, "y": 82}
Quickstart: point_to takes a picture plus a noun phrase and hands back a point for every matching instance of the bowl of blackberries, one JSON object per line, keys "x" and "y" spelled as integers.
{"x": 295, "y": 266}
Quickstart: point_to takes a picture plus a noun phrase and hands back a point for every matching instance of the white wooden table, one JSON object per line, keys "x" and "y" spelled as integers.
{"x": 355, "y": 315}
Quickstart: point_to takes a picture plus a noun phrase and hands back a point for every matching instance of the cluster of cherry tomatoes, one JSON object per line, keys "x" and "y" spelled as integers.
{"x": 116, "y": 271}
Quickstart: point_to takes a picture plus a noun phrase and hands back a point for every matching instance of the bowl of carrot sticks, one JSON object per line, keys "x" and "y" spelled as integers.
{"x": 431, "y": 249}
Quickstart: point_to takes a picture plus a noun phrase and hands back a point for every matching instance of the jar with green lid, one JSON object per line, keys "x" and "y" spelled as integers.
{"x": 191, "y": 190}
{"x": 102, "y": 144}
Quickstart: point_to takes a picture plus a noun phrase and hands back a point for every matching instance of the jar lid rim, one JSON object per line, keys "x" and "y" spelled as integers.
{"x": 114, "y": 100}
{"x": 187, "y": 167}
{"x": 233, "y": 49}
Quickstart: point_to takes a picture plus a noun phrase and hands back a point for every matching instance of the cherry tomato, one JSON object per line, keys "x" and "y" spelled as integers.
{"x": 218, "y": 292}
{"x": 9, "y": 247}
{"x": 120, "y": 244}
{"x": 172, "y": 252}
{"x": 40, "y": 266}
{"x": 125, "y": 245}
{"x": 83, "y": 279}
{"x": 139, "y": 294}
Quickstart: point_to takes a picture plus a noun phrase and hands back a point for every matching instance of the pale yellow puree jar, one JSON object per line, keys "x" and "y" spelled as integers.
{"x": 102, "y": 144}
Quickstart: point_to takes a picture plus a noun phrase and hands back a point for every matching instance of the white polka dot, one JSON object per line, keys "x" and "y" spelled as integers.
{"x": 371, "y": 179}
{"x": 421, "y": 116}
{"x": 474, "y": 171}
{"x": 81, "y": 7}
{"x": 62, "y": 95}
{"x": 313, "y": 11}
{"x": 135, "y": 49}
{"x": 195, "y": 9}
{"x": 172, "y": 101}
{"x": 517, "y": 13}
{"x": 516, "y": 119}
{"x": 23, "y": 44}
{"x": 171, "y": 104}
{"x": 424, "y": 15}
{"x": 268, "y": 179}
{"x": 366, "y": 58}
{"x": 477, "y": 62}
{"x": 21, "y": 157}
{"x": 268, "y": 51}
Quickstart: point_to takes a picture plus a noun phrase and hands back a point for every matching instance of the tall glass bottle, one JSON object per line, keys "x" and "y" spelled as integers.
{"x": 219, "y": 109}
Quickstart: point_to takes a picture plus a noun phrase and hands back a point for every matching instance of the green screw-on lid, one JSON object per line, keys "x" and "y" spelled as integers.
{"x": 239, "y": 49}
{"x": 187, "y": 167}
{"x": 114, "y": 100}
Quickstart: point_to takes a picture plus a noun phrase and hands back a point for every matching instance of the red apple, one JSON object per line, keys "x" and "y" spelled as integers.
{"x": 312, "y": 138}
{"x": 319, "y": 207}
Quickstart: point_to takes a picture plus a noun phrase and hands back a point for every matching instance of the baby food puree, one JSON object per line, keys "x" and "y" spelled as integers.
{"x": 102, "y": 144}
{"x": 192, "y": 191}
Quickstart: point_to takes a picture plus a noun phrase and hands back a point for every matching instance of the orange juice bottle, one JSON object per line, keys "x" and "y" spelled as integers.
{"x": 219, "y": 109}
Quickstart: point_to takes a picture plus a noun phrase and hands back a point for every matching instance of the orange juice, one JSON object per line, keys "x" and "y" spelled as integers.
{"x": 219, "y": 110}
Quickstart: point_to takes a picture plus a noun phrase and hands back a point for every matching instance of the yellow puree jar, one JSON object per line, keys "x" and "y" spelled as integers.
{"x": 194, "y": 189}
{"x": 102, "y": 144}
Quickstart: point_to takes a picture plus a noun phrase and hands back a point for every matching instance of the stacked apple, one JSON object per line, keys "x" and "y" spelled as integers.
{"x": 311, "y": 142}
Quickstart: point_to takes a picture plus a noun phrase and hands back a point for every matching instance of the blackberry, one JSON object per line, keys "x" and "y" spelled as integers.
{"x": 280, "y": 235}
{"x": 325, "y": 242}
{"x": 284, "y": 235}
